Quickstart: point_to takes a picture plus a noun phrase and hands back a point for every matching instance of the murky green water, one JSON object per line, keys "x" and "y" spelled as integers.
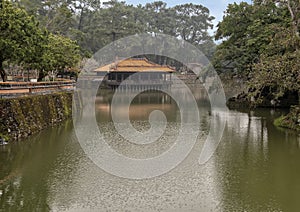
{"x": 255, "y": 168}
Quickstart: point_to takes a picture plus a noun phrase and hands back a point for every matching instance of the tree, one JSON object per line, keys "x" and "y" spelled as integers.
{"x": 118, "y": 20}
{"x": 83, "y": 8}
{"x": 193, "y": 22}
{"x": 21, "y": 39}
{"x": 160, "y": 18}
{"x": 246, "y": 30}
{"x": 60, "y": 53}
{"x": 57, "y": 16}
{"x": 294, "y": 9}
{"x": 278, "y": 69}
{"x": 264, "y": 47}
{"x": 189, "y": 22}
{"x": 192, "y": 25}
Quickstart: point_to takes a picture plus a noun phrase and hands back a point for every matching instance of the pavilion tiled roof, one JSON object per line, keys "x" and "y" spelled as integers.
{"x": 135, "y": 65}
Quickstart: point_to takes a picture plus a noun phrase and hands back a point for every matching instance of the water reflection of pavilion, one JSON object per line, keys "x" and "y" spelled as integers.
{"x": 140, "y": 108}
{"x": 136, "y": 74}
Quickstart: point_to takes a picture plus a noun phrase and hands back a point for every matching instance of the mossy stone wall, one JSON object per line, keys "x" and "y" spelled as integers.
{"x": 21, "y": 117}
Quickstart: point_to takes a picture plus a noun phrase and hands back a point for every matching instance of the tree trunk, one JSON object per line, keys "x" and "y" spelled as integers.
{"x": 2, "y": 72}
{"x": 41, "y": 76}
{"x": 28, "y": 75}
{"x": 80, "y": 19}
{"x": 294, "y": 17}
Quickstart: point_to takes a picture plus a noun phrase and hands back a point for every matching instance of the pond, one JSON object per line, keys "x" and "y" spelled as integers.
{"x": 255, "y": 167}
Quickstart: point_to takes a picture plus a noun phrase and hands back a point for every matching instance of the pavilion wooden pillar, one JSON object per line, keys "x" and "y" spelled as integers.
{"x": 149, "y": 76}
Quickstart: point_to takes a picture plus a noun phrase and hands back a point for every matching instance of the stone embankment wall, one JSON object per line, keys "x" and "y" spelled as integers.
{"x": 23, "y": 116}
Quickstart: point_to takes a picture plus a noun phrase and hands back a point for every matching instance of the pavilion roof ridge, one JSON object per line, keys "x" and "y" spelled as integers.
{"x": 139, "y": 64}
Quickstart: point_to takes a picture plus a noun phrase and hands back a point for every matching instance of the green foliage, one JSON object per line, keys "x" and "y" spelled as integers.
{"x": 21, "y": 39}
{"x": 41, "y": 46}
{"x": 60, "y": 53}
{"x": 278, "y": 67}
{"x": 193, "y": 22}
{"x": 55, "y": 15}
{"x": 291, "y": 120}
{"x": 246, "y": 30}
{"x": 93, "y": 26}
{"x": 5, "y": 137}
{"x": 117, "y": 20}
{"x": 24, "y": 42}
{"x": 261, "y": 43}
{"x": 160, "y": 18}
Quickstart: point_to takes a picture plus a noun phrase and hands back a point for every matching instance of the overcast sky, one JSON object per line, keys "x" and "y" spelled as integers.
{"x": 216, "y": 7}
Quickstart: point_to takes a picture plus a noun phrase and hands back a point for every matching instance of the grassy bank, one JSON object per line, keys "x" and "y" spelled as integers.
{"x": 291, "y": 120}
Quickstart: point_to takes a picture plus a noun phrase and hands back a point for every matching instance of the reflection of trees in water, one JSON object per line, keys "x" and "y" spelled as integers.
{"x": 25, "y": 170}
{"x": 255, "y": 160}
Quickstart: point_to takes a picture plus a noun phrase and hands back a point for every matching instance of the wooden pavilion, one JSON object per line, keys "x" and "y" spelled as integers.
{"x": 136, "y": 74}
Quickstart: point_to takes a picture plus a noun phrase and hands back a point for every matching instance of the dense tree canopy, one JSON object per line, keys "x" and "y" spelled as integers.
{"x": 246, "y": 30}
{"x": 21, "y": 40}
{"x": 24, "y": 42}
{"x": 92, "y": 25}
{"x": 261, "y": 43}
{"x": 278, "y": 68}
{"x": 60, "y": 53}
